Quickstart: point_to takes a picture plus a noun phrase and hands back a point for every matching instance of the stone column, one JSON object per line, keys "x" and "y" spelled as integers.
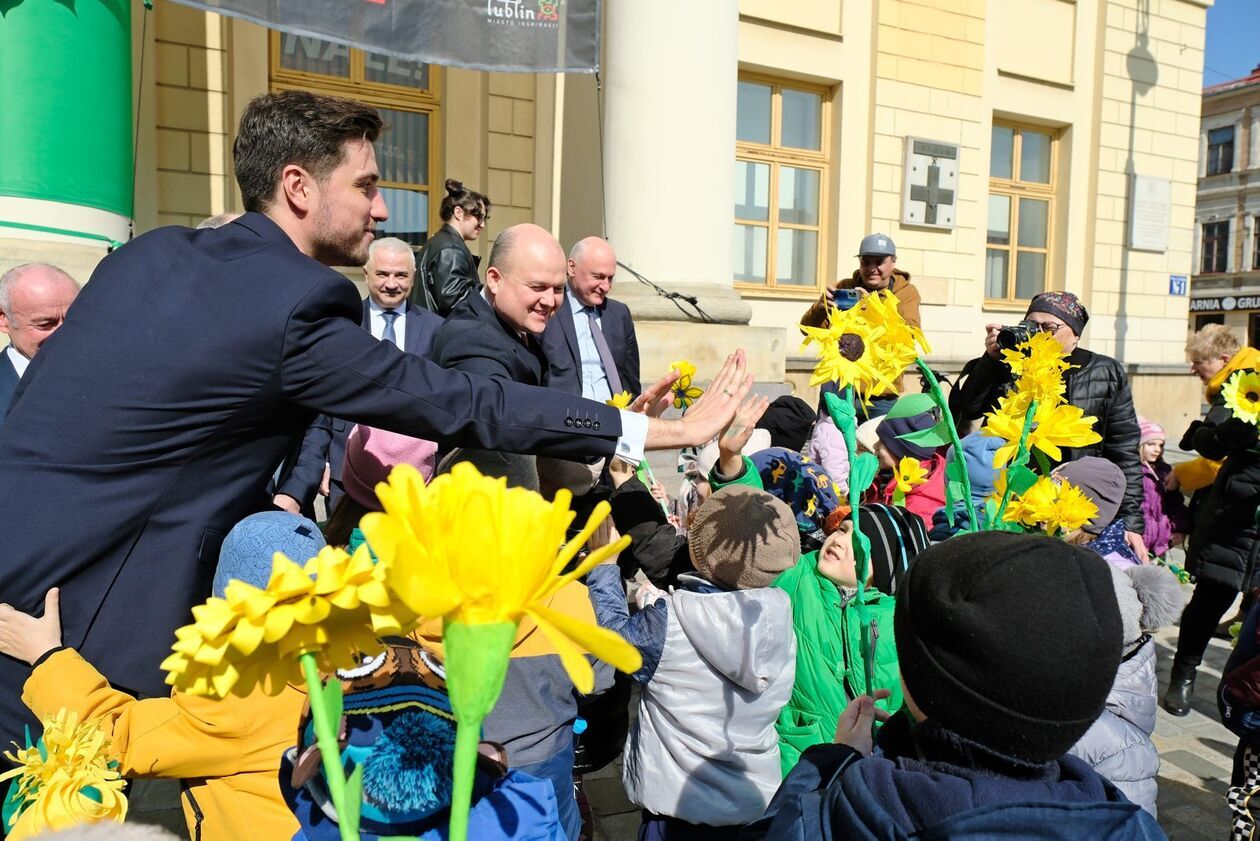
{"x": 670, "y": 76}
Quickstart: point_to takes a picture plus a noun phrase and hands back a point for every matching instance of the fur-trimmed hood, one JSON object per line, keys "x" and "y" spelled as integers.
{"x": 1149, "y": 596}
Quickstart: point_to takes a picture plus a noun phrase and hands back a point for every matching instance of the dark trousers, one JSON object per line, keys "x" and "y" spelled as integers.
{"x": 664, "y": 828}
{"x": 1203, "y": 613}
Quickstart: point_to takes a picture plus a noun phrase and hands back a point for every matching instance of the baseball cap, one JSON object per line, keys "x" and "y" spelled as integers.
{"x": 877, "y": 245}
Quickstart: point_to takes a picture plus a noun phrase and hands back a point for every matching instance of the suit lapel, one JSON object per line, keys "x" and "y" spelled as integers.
{"x": 411, "y": 339}
{"x": 366, "y": 323}
{"x": 570, "y": 334}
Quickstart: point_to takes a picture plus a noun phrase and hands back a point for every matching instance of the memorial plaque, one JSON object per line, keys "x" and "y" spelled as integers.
{"x": 930, "y": 194}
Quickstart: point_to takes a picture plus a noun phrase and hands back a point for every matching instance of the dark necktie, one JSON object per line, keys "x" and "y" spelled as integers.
{"x": 605, "y": 355}
{"x": 388, "y": 335}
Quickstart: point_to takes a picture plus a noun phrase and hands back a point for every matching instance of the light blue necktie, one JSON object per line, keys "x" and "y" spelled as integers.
{"x": 388, "y": 335}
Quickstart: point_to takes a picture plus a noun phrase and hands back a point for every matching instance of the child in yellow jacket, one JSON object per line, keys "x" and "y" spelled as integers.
{"x": 228, "y": 752}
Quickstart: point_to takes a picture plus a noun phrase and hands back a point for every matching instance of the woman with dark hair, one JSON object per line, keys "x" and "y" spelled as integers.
{"x": 447, "y": 270}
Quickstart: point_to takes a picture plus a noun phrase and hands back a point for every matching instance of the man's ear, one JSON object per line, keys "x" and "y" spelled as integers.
{"x": 571, "y": 268}
{"x": 4, "y": 323}
{"x": 493, "y": 280}
{"x": 297, "y": 189}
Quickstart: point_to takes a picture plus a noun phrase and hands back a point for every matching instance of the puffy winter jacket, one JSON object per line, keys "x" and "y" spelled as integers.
{"x": 1223, "y": 544}
{"x": 446, "y": 272}
{"x": 826, "y": 446}
{"x": 1163, "y": 510}
{"x": 1098, "y": 386}
{"x": 1118, "y": 745}
{"x": 1238, "y": 696}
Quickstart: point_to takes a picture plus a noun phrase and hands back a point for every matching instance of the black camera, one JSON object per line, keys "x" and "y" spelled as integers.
{"x": 1009, "y": 338}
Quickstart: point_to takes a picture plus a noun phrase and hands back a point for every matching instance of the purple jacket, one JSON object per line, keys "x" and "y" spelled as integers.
{"x": 1164, "y": 511}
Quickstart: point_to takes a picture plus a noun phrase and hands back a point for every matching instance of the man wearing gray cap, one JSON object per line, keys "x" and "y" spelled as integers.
{"x": 877, "y": 270}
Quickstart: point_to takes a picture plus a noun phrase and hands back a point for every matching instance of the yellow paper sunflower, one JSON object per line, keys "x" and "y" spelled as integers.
{"x": 1052, "y": 505}
{"x": 900, "y": 341}
{"x": 1038, "y": 366}
{"x": 1054, "y": 427}
{"x": 469, "y": 550}
{"x": 847, "y": 352}
{"x": 66, "y": 779}
{"x": 335, "y": 606}
{"x": 620, "y": 401}
{"x": 910, "y": 474}
{"x": 1242, "y": 395}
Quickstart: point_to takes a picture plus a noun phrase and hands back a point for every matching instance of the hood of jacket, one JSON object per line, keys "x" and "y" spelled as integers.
{"x": 746, "y": 635}
{"x": 1247, "y": 357}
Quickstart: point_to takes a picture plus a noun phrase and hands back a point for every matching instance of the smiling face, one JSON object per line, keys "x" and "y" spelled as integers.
{"x": 469, "y": 224}
{"x": 346, "y": 208}
{"x": 877, "y": 271}
{"x": 1151, "y": 450}
{"x": 389, "y": 276}
{"x": 591, "y": 271}
{"x": 526, "y": 285}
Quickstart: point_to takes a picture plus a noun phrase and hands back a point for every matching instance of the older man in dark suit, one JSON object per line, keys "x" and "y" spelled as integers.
{"x": 316, "y": 468}
{"x": 34, "y": 298}
{"x": 194, "y": 360}
{"x": 591, "y": 346}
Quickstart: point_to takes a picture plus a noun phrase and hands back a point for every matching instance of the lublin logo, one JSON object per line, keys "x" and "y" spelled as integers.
{"x": 539, "y": 13}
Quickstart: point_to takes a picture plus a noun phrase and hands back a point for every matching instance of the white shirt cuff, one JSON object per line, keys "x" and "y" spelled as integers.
{"x": 634, "y": 430}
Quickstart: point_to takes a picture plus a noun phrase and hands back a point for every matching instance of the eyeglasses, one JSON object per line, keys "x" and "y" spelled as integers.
{"x": 1049, "y": 327}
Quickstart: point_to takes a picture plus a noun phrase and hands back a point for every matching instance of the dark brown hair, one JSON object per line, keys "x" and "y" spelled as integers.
{"x": 344, "y": 519}
{"x": 295, "y": 127}
{"x": 473, "y": 203}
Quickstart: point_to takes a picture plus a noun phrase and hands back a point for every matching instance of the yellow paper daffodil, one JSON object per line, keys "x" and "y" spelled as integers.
{"x": 469, "y": 550}
{"x": 685, "y": 393}
{"x": 910, "y": 474}
{"x": 1241, "y": 394}
{"x": 1052, "y": 505}
{"x": 65, "y": 780}
{"x": 621, "y": 401}
{"x": 1038, "y": 366}
{"x": 683, "y": 367}
{"x": 335, "y": 606}
{"x": 1054, "y": 426}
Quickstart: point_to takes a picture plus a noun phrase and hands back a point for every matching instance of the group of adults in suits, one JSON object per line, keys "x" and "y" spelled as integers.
{"x": 195, "y": 360}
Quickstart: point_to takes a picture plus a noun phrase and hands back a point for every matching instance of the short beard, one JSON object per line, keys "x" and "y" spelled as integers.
{"x": 335, "y": 248}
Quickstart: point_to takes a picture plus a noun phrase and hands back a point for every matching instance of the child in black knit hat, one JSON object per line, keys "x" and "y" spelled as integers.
{"x": 1008, "y": 647}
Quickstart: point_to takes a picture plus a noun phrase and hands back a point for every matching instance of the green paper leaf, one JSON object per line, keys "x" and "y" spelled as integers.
{"x": 933, "y": 436}
{"x": 353, "y": 802}
{"x": 1020, "y": 479}
{"x": 91, "y": 793}
{"x": 909, "y": 405}
{"x": 14, "y": 805}
{"x": 332, "y": 699}
{"x": 838, "y": 409}
{"x": 862, "y": 473}
{"x": 990, "y": 514}
{"x": 1043, "y": 462}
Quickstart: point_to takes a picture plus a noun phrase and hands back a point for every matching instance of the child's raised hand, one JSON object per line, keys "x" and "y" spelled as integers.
{"x": 857, "y": 722}
{"x": 26, "y": 638}
{"x": 604, "y": 534}
{"x": 735, "y": 437}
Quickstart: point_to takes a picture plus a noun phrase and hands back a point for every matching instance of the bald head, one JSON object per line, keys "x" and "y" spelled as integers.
{"x": 34, "y": 298}
{"x": 591, "y": 268}
{"x": 525, "y": 277}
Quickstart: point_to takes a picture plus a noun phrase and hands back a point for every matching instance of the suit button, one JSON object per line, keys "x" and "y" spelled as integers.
{"x": 568, "y": 421}
{"x": 596, "y": 425}
{"x": 587, "y": 423}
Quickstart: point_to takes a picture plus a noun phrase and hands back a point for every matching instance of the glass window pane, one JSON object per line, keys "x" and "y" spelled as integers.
{"x": 1034, "y": 157}
{"x": 750, "y": 253}
{"x": 402, "y": 152}
{"x": 996, "y": 262}
{"x": 312, "y": 55}
{"x": 1221, "y": 135}
{"x": 1034, "y": 219}
{"x": 389, "y": 70}
{"x": 408, "y": 215}
{"x": 1000, "y": 158}
{"x": 752, "y": 113}
{"x": 752, "y": 191}
{"x": 798, "y": 195}
{"x": 797, "y": 257}
{"x": 1000, "y": 220}
{"x": 802, "y": 120}
{"x": 1030, "y": 274}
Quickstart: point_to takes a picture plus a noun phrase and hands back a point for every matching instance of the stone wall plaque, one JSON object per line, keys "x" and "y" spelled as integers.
{"x": 930, "y": 195}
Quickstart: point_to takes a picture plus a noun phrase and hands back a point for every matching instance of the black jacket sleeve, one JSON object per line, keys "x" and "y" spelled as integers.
{"x": 1120, "y": 446}
{"x": 655, "y": 545}
{"x": 980, "y": 384}
{"x": 451, "y": 274}
{"x": 1204, "y": 437}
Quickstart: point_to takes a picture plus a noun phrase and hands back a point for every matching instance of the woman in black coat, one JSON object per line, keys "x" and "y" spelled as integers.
{"x": 447, "y": 270}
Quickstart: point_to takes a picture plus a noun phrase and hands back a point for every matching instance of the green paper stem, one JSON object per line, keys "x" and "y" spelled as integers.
{"x": 329, "y": 748}
{"x": 1021, "y": 456}
{"x": 644, "y": 472}
{"x": 476, "y": 665}
{"x": 938, "y": 397}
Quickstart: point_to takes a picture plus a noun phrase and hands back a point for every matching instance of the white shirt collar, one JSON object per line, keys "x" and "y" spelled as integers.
{"x": 18, "y": 360}
{"x": 374, "y": 307}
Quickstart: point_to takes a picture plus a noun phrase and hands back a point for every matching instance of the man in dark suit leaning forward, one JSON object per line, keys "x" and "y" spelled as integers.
{"x": 389, "y": 273}
{"x": 590, "y": 345}
{"x": 193, "y": 361}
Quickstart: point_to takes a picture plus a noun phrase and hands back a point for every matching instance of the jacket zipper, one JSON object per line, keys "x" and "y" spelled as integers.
{"x": 198, "y": 815}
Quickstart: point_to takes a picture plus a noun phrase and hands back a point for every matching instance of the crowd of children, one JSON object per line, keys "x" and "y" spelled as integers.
{"x": 950, "y": 684}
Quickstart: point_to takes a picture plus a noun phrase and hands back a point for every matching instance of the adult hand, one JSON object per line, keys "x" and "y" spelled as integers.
{"x": 735, "y": 437}
{"x": 287, "y": 503}
{"x": 990, "y": 340}
{"x": 1137, "y": 545}
{"x": 657, "y": 397}
{"x": 658, "y": 491}
{"x": 26, "y": 638}
{"x": 710, "y": 414}
{"x": 856, "y": 723}
{"x": 325, "y": 487}
{"x": 1171, "y": 482}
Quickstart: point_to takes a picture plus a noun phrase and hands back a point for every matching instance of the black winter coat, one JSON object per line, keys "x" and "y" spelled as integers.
{"x": 1224, "y": 544}
{"x": 447, "y": 271}
{"x": 1098, "y": 386}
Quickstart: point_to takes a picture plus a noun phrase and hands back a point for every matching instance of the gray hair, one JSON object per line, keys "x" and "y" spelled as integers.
{"x": 392, "y": 245}
{"x": 219, "y": 221}
{"x": 10, "y": 279}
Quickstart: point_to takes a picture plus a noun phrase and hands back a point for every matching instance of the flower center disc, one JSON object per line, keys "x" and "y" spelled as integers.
{"x": 852, "y": 347}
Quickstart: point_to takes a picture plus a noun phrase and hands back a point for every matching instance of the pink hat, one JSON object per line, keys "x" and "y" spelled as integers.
{"x": 372, "y": 453}
{"x": 1150, "y": 431}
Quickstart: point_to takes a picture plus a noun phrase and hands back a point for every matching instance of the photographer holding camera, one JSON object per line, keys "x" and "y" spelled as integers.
{"x": 877, "y": 270}
{"x": 1096, "y": 384}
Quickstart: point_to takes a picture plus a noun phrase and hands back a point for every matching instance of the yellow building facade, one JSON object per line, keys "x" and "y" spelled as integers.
{"x": 735, "y": 153}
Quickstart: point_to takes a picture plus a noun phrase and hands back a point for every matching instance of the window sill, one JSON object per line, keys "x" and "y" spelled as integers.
{"x": 1005, "y": 305}
{"x": 772, "y": 293}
